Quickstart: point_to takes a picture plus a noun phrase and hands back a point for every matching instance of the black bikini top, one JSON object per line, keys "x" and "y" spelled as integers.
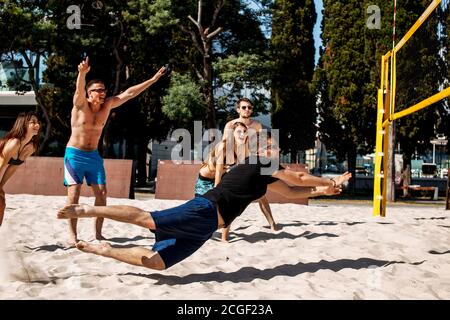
{"x": 17, "y": 161}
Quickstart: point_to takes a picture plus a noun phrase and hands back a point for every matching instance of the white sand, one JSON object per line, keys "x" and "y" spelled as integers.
{"x": 324, "y": 251}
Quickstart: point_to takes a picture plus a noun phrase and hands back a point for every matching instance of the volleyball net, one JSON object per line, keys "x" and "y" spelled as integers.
{"x": 391, "y": 102}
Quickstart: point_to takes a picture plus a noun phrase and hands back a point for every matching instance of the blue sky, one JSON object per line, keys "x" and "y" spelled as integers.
{"x": 316, "y": 31}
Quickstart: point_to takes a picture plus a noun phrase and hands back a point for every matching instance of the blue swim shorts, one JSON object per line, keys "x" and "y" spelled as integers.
{"x": 203, "y": 185}
{"x": 80, "y": 164}
{"x": 182, "y": 230}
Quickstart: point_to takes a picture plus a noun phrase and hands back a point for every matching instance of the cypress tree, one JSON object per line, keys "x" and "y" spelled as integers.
{"x": 346, "y": 114}
{"x": 292, "y": 49}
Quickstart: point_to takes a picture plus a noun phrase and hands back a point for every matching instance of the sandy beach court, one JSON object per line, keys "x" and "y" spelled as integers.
{"x": 327, "y": 250}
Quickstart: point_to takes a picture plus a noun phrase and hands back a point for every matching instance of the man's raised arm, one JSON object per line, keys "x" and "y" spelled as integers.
{"x": 79, "y": 97}
{"x": 136, "y": 90}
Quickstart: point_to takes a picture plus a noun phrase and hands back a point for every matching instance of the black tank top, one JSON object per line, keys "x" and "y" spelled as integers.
{"x": 240, "y": 186}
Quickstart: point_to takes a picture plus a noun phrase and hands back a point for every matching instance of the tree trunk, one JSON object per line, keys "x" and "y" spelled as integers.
{"x": 207, "y": 71}
{"x": 107, "y": 150}
{"x": 203, "y": 44}
{"x": 142, "y": 161}
{"x": 35, "y": 86}
{"x": 48, "y": 124}
{"x": 351, "y": 161}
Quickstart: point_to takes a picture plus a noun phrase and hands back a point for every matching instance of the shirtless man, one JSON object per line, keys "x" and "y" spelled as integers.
{"x": 90, "y": 111}
{"x": 244, "y": 108}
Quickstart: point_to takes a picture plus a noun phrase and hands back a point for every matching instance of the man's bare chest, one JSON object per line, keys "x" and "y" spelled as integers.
{"x": 92, "y": 120}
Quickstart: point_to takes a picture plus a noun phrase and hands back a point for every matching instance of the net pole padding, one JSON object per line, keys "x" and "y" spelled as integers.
{"x": 423, "y": 104}
{"x": 384, "y": 75}
{"x": 389, "y": 125}
{"x": 377, "y": 196}
{"x": 384, "y": 66}
{"x": 387, "y": 60}
{"x": 394, "y": 85}
{"x": 385, "y": 143}
{"x": 385, "y": 171}
{"x": 417, "y": 24}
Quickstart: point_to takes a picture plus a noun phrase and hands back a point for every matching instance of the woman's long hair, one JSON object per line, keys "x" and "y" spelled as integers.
{"x": 214, "y": 154}
{"x": 19, "y": 130}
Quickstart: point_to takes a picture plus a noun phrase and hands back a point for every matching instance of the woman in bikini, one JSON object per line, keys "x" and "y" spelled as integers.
{"x": 221, "y": 159}
{"x": 17, "y": 145}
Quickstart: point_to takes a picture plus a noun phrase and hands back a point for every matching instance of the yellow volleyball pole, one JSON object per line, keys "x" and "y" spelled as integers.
{"x": 423, "y": 104}
{"x": 417, "y": 24}
{"x": 377, "y": 195}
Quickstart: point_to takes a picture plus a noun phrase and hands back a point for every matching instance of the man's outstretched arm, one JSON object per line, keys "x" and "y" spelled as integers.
{"x": 134, "y": 91}
{"x": 79, "y": 98}
{"x": 303, "y": 179}
{"x": 302, "y": 192}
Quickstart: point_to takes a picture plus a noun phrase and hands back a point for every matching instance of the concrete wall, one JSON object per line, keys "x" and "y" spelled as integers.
{"x": 176, "y": 180}
{"x": 45, "y": 176}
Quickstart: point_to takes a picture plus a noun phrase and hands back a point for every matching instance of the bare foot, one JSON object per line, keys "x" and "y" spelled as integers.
{"x": 2, "y": 206}
{"x": 225, "y": 234}
{"x": 99, "y": 237}
{"x": 275, "y": 227}
{"x": 100, "y": 249}
{"x": 75, "y": 211}
{"x": 224, "y": 239}
{"x": 71, "y": 243}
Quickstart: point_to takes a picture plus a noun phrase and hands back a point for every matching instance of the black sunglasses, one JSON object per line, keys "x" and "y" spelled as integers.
{"x": 246, "y": 107}
{"x": 100, "y": 90}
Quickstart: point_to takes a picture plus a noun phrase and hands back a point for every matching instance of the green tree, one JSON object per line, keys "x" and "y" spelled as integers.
{"x": 183, "y": 102}
{"x": 292, "y": 50}
{"x": 206, "y": 37}
{"x": 346, "y": 104}
{"x": 24, "y": 39}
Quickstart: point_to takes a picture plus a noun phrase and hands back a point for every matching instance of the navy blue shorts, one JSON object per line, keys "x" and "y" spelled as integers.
{"x": 182, "y": 230}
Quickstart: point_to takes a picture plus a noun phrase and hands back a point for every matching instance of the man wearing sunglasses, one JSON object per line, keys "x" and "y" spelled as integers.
{"x": 82, "y": 161}
{"x": 244, "y": 108}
